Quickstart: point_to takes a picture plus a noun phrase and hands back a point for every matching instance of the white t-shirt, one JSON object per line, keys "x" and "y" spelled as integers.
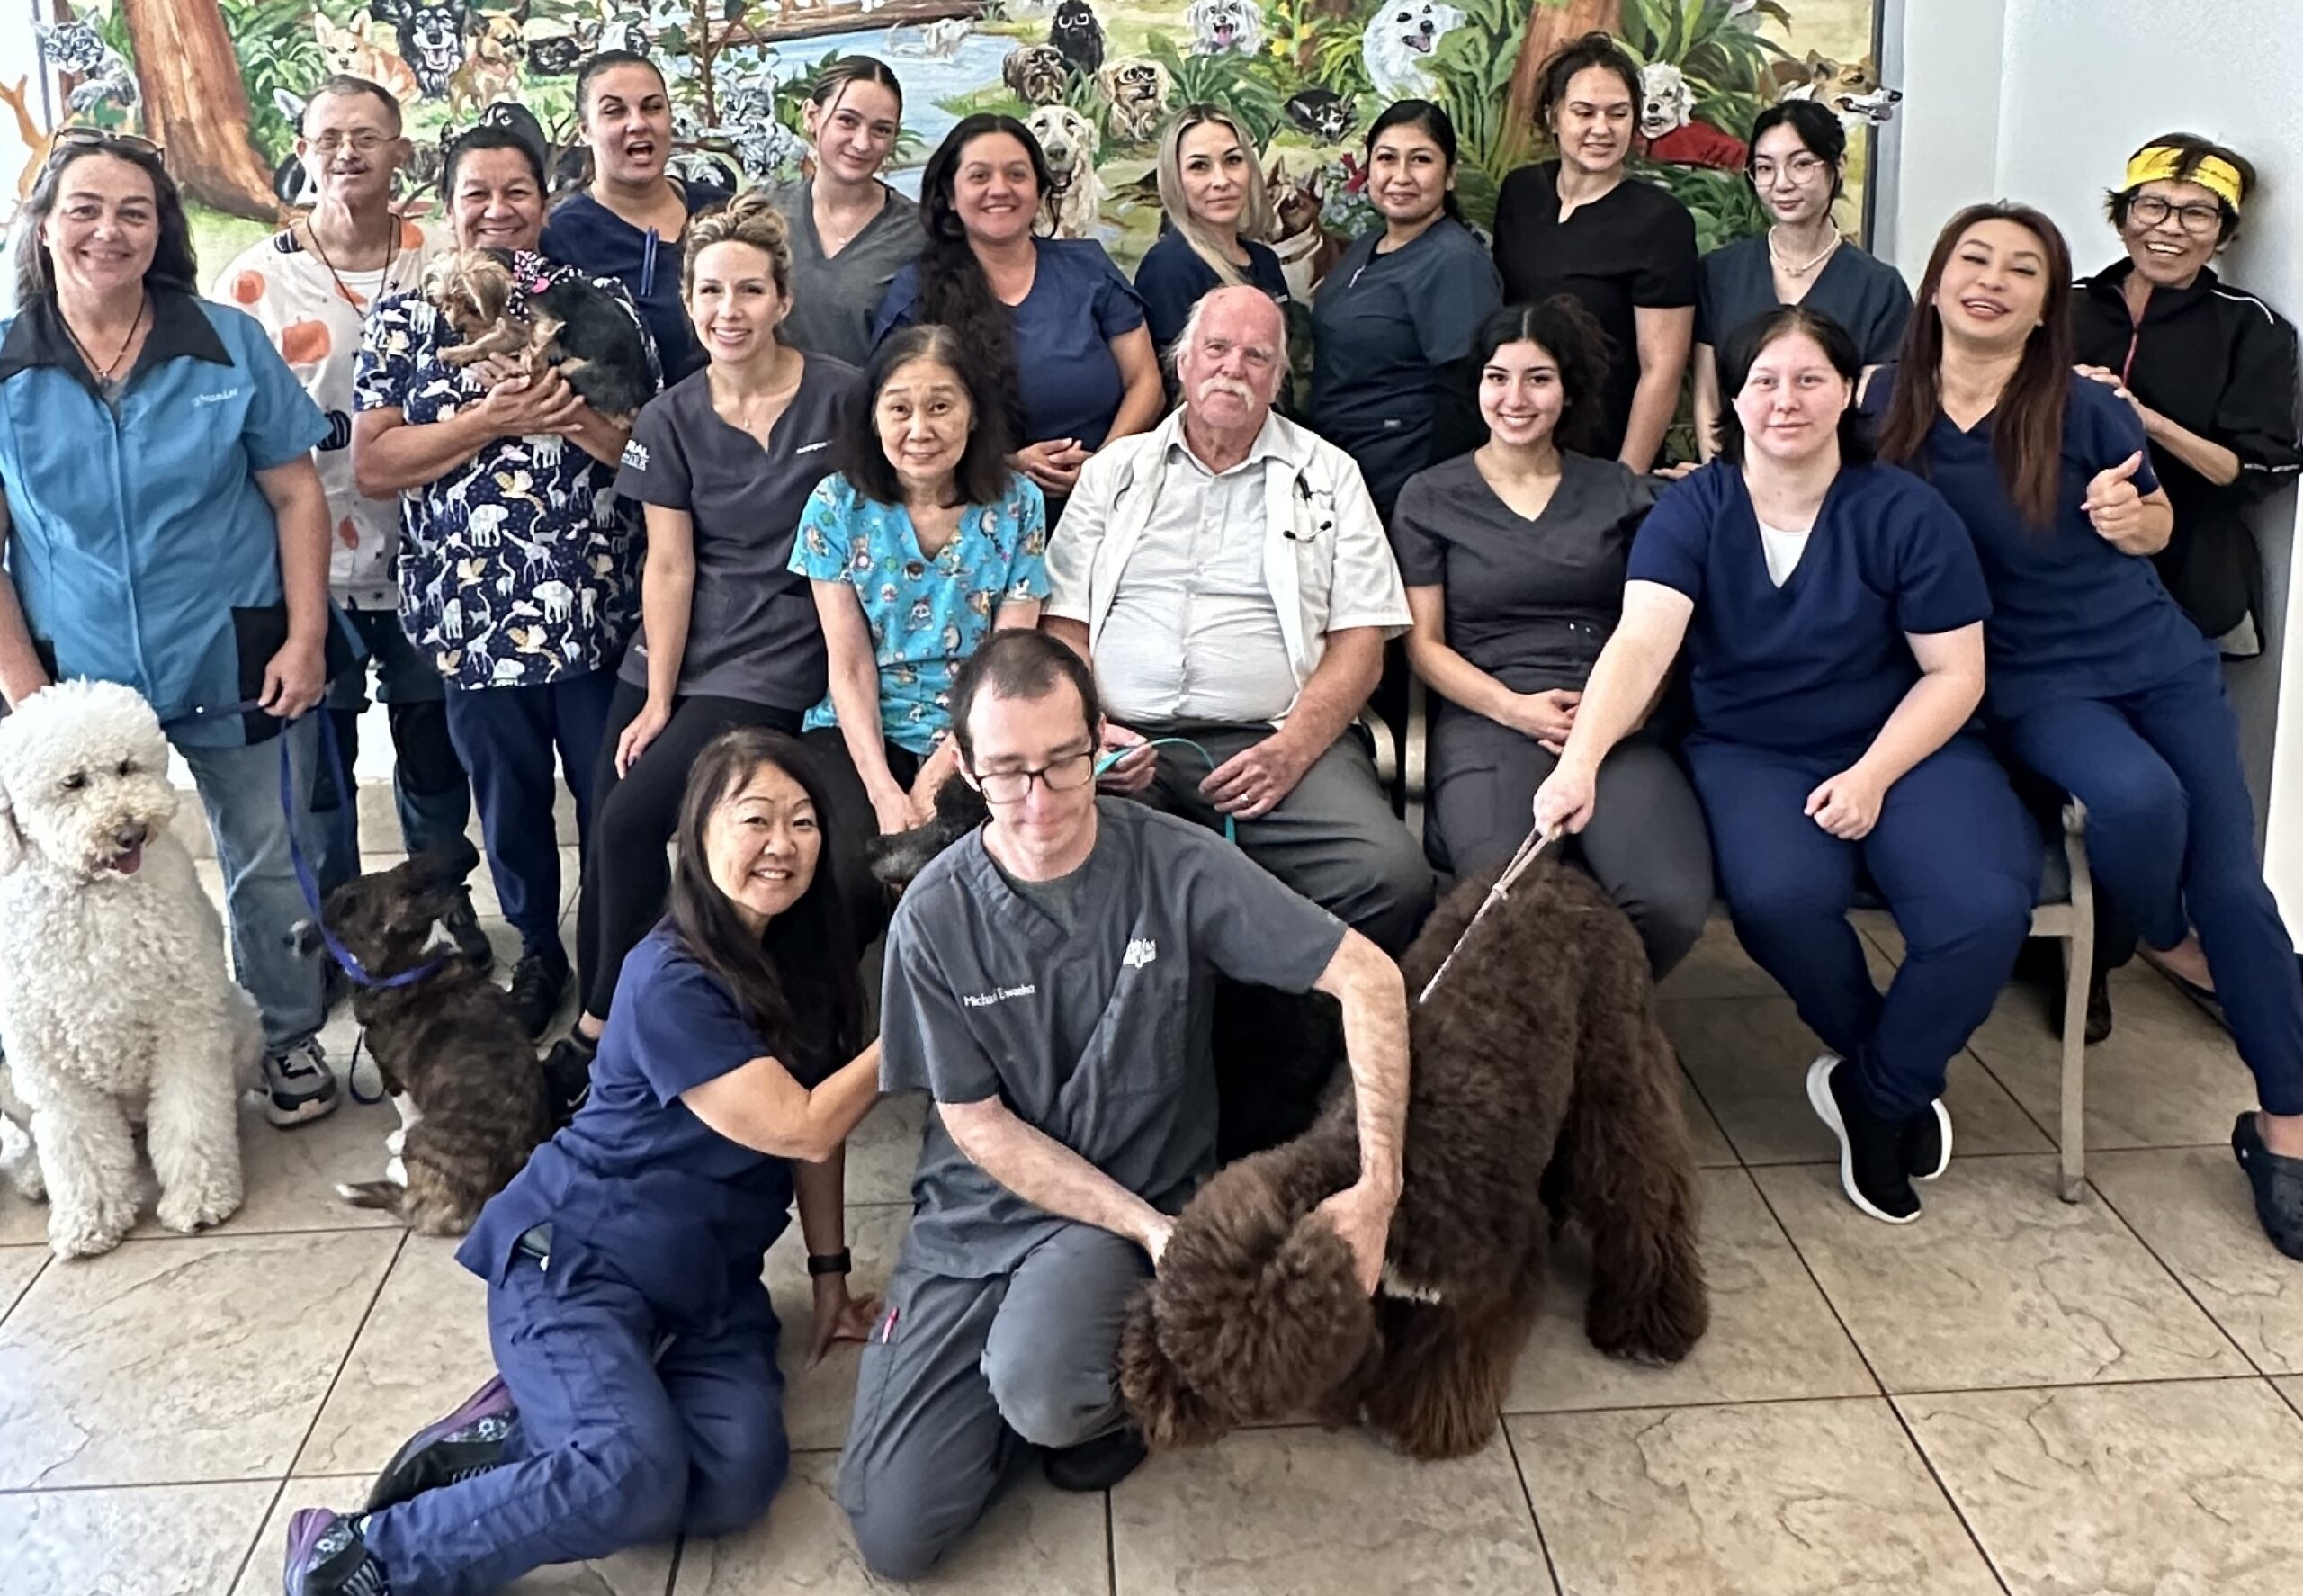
{"x": 317, "y": 331}
{"x": 1783, "y": 549}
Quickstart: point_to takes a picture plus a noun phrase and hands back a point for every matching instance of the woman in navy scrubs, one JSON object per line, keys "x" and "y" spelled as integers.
{"x": 1833, "y": 609}
{"x": 2100, "y": 684}
{"x": 1215, "y": 215}
{"x": 1798, "y": 168}
{"x": 1399, "y": 310}
{"x": 637, "y": 1396}
{"x": 1054, "y": 315}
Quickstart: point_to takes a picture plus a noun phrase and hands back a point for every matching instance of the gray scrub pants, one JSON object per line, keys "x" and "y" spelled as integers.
{"x": 1647, "y": 843}
{"x": 1334, "y": 840}
{"x": 960, "y": 1375}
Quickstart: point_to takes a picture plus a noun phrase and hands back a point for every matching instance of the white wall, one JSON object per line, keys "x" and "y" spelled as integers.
{"x": 2042, "y": 101}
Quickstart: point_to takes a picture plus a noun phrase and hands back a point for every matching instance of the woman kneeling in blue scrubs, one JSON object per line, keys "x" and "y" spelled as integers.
{"x": 1833, "y": 612}
{"x": 2100, "y": 683}
{"x": 637, "y": 1394}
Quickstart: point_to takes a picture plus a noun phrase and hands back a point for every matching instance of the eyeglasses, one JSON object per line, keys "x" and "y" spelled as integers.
{"x": 77, "y": 140}
{"x": 362, "y": 140}
{"x": 1065, "y": 774}
{"x": 2148, "y": 211}
{"x": 1799, "y": 168}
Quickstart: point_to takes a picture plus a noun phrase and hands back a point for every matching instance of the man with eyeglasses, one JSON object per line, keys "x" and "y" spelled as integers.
{"x": 310, "y": 286}
{"x": 1049, "y": 983}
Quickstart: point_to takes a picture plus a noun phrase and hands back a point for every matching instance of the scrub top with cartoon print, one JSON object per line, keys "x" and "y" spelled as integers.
{"x": 515, "y": 568}
{"x": 927, "y": 615}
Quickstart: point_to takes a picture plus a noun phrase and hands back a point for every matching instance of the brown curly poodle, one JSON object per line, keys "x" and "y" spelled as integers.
{"x": 1543, "y": 1090}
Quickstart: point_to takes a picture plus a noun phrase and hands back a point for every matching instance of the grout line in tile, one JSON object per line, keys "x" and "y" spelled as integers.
{"x": 2174, "y": 1274}
{"x": 251, "y": 1479}
{"x": 344, "y": 1362}
{"x": 1870, "y": 1368}
{"x": 25, "y": 1290}
{"x": 1910, "y": 1436}
{"x": 2292, "y": 1398}
{"x": 1527, "y": 1494}
{"x": 256, "y": 1535}
{"x": 672, "y": 1574}
{"x": 1111, "y": 1549}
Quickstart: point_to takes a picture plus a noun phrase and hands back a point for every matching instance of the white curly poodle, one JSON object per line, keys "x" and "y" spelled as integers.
{"x": 115, "y": 1004}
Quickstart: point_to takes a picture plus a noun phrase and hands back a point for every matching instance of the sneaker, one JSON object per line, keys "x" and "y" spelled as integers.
{"x": 2278, "y": 1183}
{"x": 568, "y": 1075}
{"x": 463, "y": 923}
{"x": 1871, "y": 1170}
{"x": 467, "y": 1442}
{"x": 1097, "y": 1465}
{"x": 1927, "y": 1142}
{"x": 539, "y": 981}
{"x": 298, "y": 1085}
{"x": 327, "y": 1557}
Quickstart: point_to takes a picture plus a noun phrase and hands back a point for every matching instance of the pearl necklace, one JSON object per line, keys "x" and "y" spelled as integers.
{"x": 1801, "y": 268}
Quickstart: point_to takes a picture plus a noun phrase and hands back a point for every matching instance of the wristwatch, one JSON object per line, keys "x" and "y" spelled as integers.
{"x": 830, "y": 1263}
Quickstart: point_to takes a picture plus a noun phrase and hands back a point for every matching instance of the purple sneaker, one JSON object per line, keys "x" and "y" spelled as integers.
{"x": 469, "y": 1441}
{"x": 327, "y": 1557}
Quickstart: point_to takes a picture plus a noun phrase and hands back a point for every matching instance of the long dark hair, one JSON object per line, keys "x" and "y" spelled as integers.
{"x": 797, "y": 984}
{"x": 981, "y": 475}
{"x": 1435, "y": 125}
{"x": 2027, "y": 423}
{"x": 1817, "y": 128}
{"x": 1565, "y": 331}
{"x": 1743, "y": 350}
{"x": 174, "y": 264}
{"x": 954, "y": 291}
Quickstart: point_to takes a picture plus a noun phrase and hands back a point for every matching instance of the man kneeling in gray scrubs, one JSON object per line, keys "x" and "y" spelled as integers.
{"x": 1049, "y": 982}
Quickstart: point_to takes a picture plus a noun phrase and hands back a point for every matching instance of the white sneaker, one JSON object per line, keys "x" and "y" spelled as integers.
{"x": 298, "y": 1085}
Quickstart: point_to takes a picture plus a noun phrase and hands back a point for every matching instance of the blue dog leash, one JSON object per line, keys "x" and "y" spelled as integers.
{"x": 1103, "y": 765}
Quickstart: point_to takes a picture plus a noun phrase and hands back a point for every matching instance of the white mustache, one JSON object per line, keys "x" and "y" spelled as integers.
{"x": 1221, "y": 385}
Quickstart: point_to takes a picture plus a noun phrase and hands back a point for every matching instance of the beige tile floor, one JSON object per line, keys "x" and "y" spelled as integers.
{"x": 2012, "y": 1395}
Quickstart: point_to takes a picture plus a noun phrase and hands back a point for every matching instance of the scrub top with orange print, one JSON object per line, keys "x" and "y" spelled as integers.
{"x": 313, "y": 316}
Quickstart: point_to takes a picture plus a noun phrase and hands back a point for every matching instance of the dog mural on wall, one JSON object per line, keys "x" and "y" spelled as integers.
{"x": 1398, "y": 42}
{"x": 1667, "y": 122}
{"x": 76, "y": 48}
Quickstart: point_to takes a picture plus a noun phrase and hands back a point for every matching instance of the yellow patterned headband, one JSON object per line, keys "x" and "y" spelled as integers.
{"x": 2160, "y": 163}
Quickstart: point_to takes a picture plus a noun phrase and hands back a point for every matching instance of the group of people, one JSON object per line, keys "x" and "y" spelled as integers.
{"x": 927, "y": 496}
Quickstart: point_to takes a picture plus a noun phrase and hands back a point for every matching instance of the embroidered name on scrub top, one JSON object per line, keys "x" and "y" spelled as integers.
{"x": 999, "y": 994}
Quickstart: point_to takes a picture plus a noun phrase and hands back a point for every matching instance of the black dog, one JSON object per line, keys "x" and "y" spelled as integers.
{"x": 1275, "y": 1053}
{"x": 1077, "y": 34}
{"x": 431, "y": 34}
{"x": 1324, "y": 114}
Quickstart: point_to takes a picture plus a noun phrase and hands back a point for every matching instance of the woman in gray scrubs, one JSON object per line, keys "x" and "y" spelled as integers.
{"x": 1513, "y": 556}
{"x": 723, "y": 463}
{"x": 850, "y": 232}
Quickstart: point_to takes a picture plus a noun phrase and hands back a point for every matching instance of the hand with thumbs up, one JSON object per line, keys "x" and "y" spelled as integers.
{"x": 2116, "y": 507}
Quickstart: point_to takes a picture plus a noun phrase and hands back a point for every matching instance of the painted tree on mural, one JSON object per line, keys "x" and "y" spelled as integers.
{"x": 196, "y": 105}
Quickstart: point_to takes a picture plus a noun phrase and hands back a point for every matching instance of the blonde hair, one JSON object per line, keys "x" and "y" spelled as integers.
{"x": 1255, "y": 216}
{"x": 750, "y": 218}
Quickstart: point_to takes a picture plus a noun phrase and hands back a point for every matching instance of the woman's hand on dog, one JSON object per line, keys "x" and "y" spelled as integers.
{"x": 839, "y": 1316}
{"x": 531, "y": 407}
{"x": 294, "y": 680}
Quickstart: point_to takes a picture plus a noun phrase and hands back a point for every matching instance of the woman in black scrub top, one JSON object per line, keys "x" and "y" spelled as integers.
{"x": 1624, "y": 249}
{"x": 1399, "y": 310}
{"x": 1798, "y": 158}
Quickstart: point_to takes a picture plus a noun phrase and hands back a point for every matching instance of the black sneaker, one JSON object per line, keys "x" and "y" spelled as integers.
{"x": 1871, "y": 1167}
{"x": 469, "y": 1441}
{"x": 1097, "y": 1465}
{"x": 568, "y": 1075}
{"x": 327, "y": 1557}
{"x": 2278, "y": 1183}
{"x": 539, "y": 981}
{"x": 1927, "y": 1142}
{"x": 463, "y": 923}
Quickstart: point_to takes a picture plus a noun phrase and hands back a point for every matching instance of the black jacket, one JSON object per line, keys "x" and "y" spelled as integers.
{"x": 2222, "y": 363}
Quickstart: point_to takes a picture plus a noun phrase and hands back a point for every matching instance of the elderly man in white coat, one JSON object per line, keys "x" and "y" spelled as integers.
{"x": 1228, "y": 577}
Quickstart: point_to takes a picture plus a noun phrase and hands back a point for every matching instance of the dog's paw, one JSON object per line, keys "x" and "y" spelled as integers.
{"x": 396, "y": 1143}
{"x": 83, "y": 1238}
{"x": 189, "y": 1211}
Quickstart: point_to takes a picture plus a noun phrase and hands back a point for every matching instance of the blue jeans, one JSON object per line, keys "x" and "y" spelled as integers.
{"x": 613, "y": 1449}
{"x": 239, "y": 788}
{"x": 429, "y": 787}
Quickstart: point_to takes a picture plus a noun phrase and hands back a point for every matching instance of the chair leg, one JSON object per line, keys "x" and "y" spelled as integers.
{"x": 2078, "y": 973}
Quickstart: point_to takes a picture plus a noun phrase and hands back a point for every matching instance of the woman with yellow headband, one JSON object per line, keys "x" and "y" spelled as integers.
{"x": 2209, "y": 370}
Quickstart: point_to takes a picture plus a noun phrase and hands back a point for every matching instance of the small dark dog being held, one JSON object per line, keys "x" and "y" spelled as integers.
{"x": 1542, "y": 1089}
{"x": 451, "y": 1049}
{"x": 567, "y": 322}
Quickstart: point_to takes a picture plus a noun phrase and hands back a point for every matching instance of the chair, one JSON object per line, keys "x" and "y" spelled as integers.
{"x": 2065, "y": 911}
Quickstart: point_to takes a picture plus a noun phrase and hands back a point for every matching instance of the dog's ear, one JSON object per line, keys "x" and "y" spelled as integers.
{"x": 304, "y": 936}
{"x": 1171, "y": 1414}
{"x": 12, "y": 841}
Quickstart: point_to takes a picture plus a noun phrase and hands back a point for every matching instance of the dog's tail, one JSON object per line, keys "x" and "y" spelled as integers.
{"x": 389, "y": 1196}
{"x": 1623, "y": 1168}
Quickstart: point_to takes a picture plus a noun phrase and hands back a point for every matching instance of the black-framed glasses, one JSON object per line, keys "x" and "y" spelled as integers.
{"x": 1065, "y": 774}
{"x": 2148, "y": 211}
{"x": 76, "y": 140}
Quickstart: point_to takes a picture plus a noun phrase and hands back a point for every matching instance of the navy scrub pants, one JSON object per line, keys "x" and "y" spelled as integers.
{"x": 506, "y": 737}
{"x": 2171, "y": 837}
{"x": 1956, "y": 857}
{"x": 612, "y": 1449}
{"x": 960, "y": 1376}
{"x": 429, "y": 787}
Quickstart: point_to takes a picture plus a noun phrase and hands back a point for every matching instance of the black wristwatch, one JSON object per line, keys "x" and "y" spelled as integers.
{"x": 830, "y": 1263}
